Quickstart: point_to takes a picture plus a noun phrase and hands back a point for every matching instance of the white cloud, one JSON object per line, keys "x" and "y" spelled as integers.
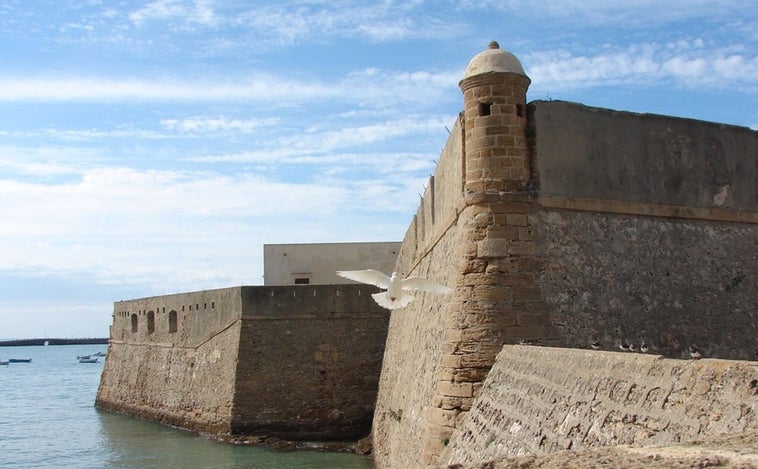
{"x": 217, "y": 125}
{"x": 105, "y": 89}
{"x": 61, "y": 159}
{"x": 627, "y": 14}
{"x": 129, "y": 194}
{"x": 120, "y": 224}
{"x": 80, "y": 135}
{"x": 687, "y": 63}
{"x": 235, "y": 124}
{"x": 198, "y": 12}
{"x": 320, "y": 144}
{"x": 173, "y": 128}
{"x": 373, "y": 87}
{"x": 287, "y": 22}
{"x": 680, "y": 63}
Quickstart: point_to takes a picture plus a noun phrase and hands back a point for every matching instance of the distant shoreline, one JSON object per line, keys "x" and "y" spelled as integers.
{"x": 52, "y": 341}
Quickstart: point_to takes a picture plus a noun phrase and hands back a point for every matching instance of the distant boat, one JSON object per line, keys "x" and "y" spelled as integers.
{"x": 19, "y": 360}
{"x": 87, "y": 360}
{"x": 3, "y": 363}
{"x": 83, "y": 357}
{"x": 99, "y": 354}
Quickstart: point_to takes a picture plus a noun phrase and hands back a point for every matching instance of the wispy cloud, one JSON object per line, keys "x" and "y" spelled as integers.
{"x": 319, "y": 144}
{"x": 187, "y": 14}
{"x": 683, "y": 64}
{"x": 627, "y": 15}
{"x": 44, "y": 161}
{"x": 376, "y": 21}
{"x": 155, "y": 146}
{"x": 107, "y": 89}
{"x": 217, "y": 125}
{"x": 120, "y": 224}
{"x": 370, "y": 86}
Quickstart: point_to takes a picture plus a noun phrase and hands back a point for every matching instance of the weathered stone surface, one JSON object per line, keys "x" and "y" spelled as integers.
{"x": 731, "y": 451}
{"x": 297, "y": 363}
{"x": 561, "y": 247}
{"x": 669, "y": 283}
{"x": 538, "y": 400}
{"x": 605, "y": 154}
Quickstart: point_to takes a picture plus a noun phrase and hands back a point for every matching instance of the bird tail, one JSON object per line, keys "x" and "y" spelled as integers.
{"x": 384, "y": 300}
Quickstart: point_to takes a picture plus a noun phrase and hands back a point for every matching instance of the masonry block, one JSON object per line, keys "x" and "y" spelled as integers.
{"x": 516, "y": 219}
{"x": 455, "y": 389}
{"x": 495, "y": 293}
{"x": 524, "y": 294}
{"x": 442, "y": 417}
{"x": 492, "y": 248}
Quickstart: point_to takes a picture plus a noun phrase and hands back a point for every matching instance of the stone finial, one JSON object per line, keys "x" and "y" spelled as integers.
{"x": 493, "y": 59}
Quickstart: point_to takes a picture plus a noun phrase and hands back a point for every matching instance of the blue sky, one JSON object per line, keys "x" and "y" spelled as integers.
{"x": 153, "y": 147}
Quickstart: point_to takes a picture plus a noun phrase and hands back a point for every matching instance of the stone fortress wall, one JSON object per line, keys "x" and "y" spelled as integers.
{"x": 172, "y": 359}
{"x": 293, "y": 362}
{"x": 645, "y": 227}
{"x": 557, "y": 225}
{"x": 539, "y": 400}
{"x": 564, "y": 226}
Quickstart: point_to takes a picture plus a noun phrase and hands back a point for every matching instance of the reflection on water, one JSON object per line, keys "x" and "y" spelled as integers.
{"x": 133, "y": 443}
{"x": 48, "y": 419}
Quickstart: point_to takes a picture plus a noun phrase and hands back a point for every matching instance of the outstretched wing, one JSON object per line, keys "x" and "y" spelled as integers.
{"x": 370, "y": 276}
{"x": 384, "y": 300}
{"x": 421, "y": 283}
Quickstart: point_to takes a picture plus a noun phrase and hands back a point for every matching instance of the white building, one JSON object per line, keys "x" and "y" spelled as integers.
{"x": 317, "y": 263}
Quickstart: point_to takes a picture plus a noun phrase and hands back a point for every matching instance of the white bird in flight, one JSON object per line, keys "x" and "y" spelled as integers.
{"x": 395, "y": 296}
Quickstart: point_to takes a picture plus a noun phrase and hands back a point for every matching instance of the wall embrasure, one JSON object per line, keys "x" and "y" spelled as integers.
{"x": 296, "y": 362}
{"x": 183, "y": 378}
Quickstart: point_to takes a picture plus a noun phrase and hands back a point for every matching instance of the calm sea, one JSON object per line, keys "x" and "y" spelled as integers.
{"x": 48, "y": 419}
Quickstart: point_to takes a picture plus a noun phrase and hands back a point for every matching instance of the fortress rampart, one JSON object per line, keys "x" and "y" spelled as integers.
{"x": 565, "y": 226}
{"x": 587, "y": 233}
{"x": 540, "y": 400}
{"x": 298, "y": 362}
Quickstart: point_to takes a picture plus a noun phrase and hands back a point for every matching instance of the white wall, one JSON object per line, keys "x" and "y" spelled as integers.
{"x": 319, "y": 262}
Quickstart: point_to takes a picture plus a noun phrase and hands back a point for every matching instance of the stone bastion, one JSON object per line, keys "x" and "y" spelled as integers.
{"x": 604, "y": 267}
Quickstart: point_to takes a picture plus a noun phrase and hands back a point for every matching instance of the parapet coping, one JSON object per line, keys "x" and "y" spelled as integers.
{"x": 630, "y": 207}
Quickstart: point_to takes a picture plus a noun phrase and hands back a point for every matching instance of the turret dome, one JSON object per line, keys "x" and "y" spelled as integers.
{"x": 493, "y": 60}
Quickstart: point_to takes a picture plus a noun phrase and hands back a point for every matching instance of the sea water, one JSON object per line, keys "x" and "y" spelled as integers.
{"x": 48, "y": 419}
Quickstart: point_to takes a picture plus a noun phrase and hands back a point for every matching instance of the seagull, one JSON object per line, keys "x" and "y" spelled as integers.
{"x": 695, "y": 352}
{"x": 395, "y": 296}
{"x": 596, "y": 345}
{"x": 644, "y": 347}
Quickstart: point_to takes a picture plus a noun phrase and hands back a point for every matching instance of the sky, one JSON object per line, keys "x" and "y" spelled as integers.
{"x": 154, "y": 147}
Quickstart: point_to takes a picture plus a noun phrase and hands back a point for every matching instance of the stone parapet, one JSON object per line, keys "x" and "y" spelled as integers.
{"x": 292, "y": 362}
{"x": 538, "y": 400}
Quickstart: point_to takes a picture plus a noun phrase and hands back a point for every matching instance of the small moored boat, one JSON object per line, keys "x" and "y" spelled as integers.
{"x": 19, "y": 360}
{"x": 3, "y": 363}
{"x": 87, "y": 360}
